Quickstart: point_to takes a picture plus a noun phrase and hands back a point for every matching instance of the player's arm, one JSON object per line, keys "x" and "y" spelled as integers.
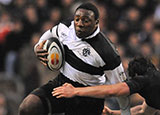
{"x": 108, "y": 111}
{"x": 134, "y": 110}
{"x": 38, "y": 48}
{"x": 102, "y": 91}
{"x": 114, "y": 76}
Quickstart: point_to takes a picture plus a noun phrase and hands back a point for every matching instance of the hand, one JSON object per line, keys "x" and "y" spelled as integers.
{"x": 106, "y": 111}
{"x": 41, "y": 53}
{"x": 67, "y": 90}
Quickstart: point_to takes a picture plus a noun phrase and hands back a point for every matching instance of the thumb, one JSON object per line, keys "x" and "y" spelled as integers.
{"x": 66, "y": 84}
{"x": 42, "y": 44}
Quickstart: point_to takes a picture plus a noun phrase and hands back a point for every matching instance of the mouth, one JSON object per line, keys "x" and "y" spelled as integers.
{"x": 81, "y": 30}
{"x": 79, "y": 33}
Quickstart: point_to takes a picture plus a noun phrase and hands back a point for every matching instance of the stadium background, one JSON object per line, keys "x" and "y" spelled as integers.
{"x": 133, "y": 25}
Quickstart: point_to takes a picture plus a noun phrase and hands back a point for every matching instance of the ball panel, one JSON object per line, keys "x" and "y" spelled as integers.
{"x": 56, "y": 53}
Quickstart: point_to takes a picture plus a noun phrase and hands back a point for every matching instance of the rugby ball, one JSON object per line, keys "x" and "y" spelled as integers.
{"x": 55, "y": 53}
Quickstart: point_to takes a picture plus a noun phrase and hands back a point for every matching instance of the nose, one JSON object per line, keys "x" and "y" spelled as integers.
{"x": 80, "y": 23}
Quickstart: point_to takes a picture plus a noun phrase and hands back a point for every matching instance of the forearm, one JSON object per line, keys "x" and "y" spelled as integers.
{"x": 103, "y": 91}
{"x": 124, "y": 103}
{"x": 97, "y": 91}
{"x": 134, "y": 110}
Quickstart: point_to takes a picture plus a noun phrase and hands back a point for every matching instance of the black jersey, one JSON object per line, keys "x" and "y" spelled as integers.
{"x": 148, "y": 86}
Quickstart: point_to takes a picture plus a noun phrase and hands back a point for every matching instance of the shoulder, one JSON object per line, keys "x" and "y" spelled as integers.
{"x": 154, "y": 77}
{"x": 102, "y": 43}
{"x": 64, "y": 24}
{"x": 62, "y": 29}
{"x": 106, "y": 49}
{"x": 67, "y": 22}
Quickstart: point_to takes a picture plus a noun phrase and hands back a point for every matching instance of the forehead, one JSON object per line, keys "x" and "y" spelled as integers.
{"x": 84, "y": 13}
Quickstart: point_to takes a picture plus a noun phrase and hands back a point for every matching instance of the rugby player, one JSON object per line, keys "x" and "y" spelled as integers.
{"x": 90, "y": 59}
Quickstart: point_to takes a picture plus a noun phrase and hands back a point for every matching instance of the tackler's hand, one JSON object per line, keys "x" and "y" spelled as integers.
{"x": 66, "y": 90}
{"x": 41, "y": 53}
{"x": 106, "y": 111}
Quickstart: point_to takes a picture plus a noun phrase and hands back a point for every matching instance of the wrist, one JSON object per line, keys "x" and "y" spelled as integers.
{"x": 76, "y": 92}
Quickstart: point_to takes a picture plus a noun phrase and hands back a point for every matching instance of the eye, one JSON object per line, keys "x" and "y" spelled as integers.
{"x": 76, "y": 19}
{"x": 86, "y": 21}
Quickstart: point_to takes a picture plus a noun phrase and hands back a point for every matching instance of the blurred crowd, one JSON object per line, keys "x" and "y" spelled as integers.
{"x": 132, "y": 25}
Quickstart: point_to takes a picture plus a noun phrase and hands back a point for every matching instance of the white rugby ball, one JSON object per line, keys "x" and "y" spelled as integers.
{"x": 55, "y": 53}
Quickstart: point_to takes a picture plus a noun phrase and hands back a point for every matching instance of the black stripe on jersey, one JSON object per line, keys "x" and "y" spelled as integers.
{"x": 51, "y": 30}
{"x": 66, "y": 22}
{"x": 105, "y": 48}
{"x": 80, "y": 65}
{"x": 56, "y": 31}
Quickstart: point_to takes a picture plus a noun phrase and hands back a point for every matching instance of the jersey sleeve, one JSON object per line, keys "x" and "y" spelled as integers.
{"x": 62, "y": 32}
{"x": 136, "y": 84}
{"x": 116, "y": 75}
{"x": 48, "y": 34}
{"x": 54, "y": 31}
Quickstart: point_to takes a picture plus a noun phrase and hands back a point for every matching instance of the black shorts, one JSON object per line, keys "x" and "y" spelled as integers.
{"x": 70, "y": 106}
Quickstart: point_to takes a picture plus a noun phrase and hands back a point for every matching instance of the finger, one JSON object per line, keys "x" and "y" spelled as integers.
{"x": 42, "y": 54}
{"x": 42, "y": 44}
{"x": 43, "y": 63}
{"x": 65, "y": 84}
{"x": 41, "y": 51}
{"x": 60, "y": 96}
{"x": 43, "y": 60}
{"x": 58, "y": 88}
{"x": 56, "y": 93}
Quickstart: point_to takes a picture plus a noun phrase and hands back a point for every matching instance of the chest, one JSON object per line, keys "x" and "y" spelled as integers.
{"x": 84, "y": 51}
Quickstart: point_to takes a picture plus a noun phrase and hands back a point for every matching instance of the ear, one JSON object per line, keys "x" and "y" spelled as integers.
{"x": 97, "y": 21}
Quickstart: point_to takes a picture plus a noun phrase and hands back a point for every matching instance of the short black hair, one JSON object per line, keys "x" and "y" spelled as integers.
{"x": 89, "y": 6}
{"x": 140, "y": 66}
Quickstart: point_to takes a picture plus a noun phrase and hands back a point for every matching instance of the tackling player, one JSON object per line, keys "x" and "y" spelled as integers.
{"x": 145, "y": 80}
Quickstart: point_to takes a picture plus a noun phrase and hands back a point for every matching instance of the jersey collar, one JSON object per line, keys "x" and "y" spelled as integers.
{"x": 94, "y": 34}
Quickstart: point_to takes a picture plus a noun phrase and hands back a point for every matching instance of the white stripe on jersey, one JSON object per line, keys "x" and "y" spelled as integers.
{"x": 116, "y": 75}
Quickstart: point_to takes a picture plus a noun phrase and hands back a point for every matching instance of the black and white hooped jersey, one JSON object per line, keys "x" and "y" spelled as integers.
{"x": 89, "y": 60}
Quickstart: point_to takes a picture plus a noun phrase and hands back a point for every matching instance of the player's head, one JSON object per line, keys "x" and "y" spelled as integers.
{"x": 139, "y": 66}
{"x": 86, "y": 19}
